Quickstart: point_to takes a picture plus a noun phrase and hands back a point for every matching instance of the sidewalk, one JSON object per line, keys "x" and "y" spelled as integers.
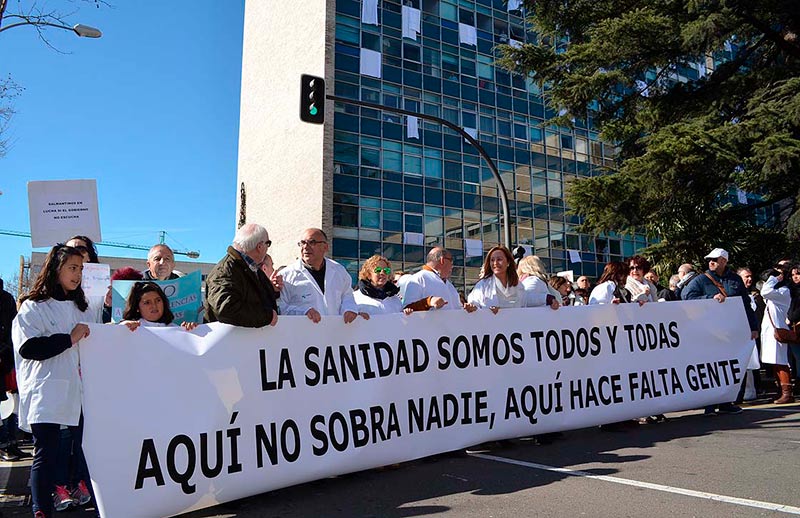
{"x": 15, "y": 493}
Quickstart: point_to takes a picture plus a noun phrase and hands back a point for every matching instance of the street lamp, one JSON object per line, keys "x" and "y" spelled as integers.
{"x": 84, "y": 31}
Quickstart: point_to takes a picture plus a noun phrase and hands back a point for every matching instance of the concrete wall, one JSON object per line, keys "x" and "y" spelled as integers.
{"x": 284, "y": 163}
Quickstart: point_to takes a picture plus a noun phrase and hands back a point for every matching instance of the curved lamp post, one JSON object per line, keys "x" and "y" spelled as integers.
{"x": 83, "y": 31}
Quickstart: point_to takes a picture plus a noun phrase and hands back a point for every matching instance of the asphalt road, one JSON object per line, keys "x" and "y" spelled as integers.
{"x": 724, "y": 466}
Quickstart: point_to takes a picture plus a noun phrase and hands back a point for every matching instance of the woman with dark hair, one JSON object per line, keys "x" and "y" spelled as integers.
{"x": 377, "y": 294}
{"x": 46, "y": 335}
{"x": 562, "y": 286}
{"x": 86, "y": 247}
{"x": 777, "y": 294}
{"x": 641, "y": 289}
{"x": 148, "y": 305}
{"x": 499, "y": 286}
{"x": 610, "y": 287}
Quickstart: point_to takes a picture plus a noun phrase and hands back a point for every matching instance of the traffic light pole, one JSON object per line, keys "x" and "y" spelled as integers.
{"x": 460, "y": 131}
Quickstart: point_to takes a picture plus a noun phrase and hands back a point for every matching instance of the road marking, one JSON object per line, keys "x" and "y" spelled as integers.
{"x": 647, "y": 485}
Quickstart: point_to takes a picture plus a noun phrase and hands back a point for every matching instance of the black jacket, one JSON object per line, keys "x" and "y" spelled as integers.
{"x": 237, "y": 295}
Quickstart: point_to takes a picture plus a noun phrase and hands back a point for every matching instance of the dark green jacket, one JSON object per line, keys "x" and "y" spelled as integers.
{"x": 238, "y": 296}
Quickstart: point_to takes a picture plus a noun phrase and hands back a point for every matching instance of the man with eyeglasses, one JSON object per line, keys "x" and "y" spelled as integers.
{"x": 316, "y": 286}
{"x": 430, "y": 288}
{"x": 719, "y": 283}
{"x": 685, "y": 274}
{"x": 238, "y": 292}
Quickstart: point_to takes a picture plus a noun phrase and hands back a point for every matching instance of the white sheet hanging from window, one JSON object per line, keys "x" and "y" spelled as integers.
{"x": 514, "y": 5}
{"x": 369, "y": 11}
{"x": 467, "y": 34}
{"x": 473, "y": 248}
{"x": 413, "y": 238}
{"x": 370, "y": 63}
{"x": 411, "y": 22}
{"x": 472, "y": 132}
{"x": 412, "y": 127}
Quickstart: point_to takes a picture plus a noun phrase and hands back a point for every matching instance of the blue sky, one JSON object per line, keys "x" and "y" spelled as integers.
{"x": 150, "y": 110}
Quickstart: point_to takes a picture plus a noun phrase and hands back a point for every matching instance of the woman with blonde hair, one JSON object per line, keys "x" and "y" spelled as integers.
{"x": 376, "y": 293}
{"x": 533, "y": 276}
{"x": 499, "y": 286}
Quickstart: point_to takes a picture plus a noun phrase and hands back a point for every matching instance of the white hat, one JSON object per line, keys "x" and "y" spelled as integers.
{"x": 717, "y": 253}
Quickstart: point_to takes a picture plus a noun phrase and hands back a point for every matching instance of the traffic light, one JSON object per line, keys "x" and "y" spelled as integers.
{"x": 312, "y": 99}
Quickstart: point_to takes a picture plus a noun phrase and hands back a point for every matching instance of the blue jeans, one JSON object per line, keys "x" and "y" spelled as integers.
{"x": 46, "y": 438}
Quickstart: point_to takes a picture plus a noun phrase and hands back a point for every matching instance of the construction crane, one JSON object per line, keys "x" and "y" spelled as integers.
{"x": 162, "y": 238}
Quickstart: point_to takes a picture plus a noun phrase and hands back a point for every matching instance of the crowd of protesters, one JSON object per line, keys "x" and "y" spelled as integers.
{"x": 39, "y": 359}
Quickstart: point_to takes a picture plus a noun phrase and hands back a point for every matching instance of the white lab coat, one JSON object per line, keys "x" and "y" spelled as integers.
{"x": 778, "y": 301}
{"x": 373, "y": 306}
{"x": 536, "y": 292}
{"x": 300, "y": 291}
{"x": 603, "y": 293}
{"x": 484, "y": 295}
{"x": 50, "y": 391}
{"x": 426, "y": 283}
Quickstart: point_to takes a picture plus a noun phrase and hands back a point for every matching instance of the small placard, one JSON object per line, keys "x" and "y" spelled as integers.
{"x": 96, "y": 279}
{"x": 60, "y": 209}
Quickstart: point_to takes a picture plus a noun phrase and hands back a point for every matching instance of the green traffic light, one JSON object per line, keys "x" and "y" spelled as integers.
{"x": 312, "y": 110}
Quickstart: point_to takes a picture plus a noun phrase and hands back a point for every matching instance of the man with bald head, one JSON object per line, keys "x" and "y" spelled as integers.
{"x": 160, "y": 262}
{"x": 316, "y": 286}
{"x": 430, "y": 288}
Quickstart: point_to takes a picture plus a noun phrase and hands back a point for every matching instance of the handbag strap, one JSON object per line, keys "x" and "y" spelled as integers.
{"x": 717, "y": 284}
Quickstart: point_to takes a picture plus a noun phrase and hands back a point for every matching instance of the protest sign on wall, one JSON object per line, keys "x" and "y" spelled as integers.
{"x": 60, "y": 209}
{"x": 185, "y": 299}
{"x": 177, "y": 420}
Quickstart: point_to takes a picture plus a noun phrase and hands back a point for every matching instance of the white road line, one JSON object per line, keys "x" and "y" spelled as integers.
{"x": 647, "y": 485}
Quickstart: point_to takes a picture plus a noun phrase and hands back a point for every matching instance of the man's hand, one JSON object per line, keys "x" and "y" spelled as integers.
{"x": 363, "y": 315}
{"x": 469, "y": 308}
{"x": 277, "y": 281}
{"x": 437, "y": 302}
{"x": 315, "y": 317}
{"x": 493, "y": 309}
{"x": 274, "y": 318}
{"x": 349, "y": 316}
{"x": 753, "y": 335}
{"x": 554, "y": 304}
{"x": 719, "y": 297}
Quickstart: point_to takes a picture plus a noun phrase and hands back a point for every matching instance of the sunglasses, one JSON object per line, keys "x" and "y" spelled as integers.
{"x": 636, "y": 268}
{"x": 385, "y": 270}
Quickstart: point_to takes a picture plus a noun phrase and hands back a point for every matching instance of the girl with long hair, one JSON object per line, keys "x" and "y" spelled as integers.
{"x": 46, "y": 334}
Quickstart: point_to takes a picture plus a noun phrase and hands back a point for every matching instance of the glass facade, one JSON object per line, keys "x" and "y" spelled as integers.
{"x": 399, "y": 196}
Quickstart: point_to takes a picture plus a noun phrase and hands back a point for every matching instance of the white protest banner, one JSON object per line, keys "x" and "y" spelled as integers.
{"x": 60, "y": 209}
{"x": 96, "y": 279}
{"x": 177, "y": 420}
